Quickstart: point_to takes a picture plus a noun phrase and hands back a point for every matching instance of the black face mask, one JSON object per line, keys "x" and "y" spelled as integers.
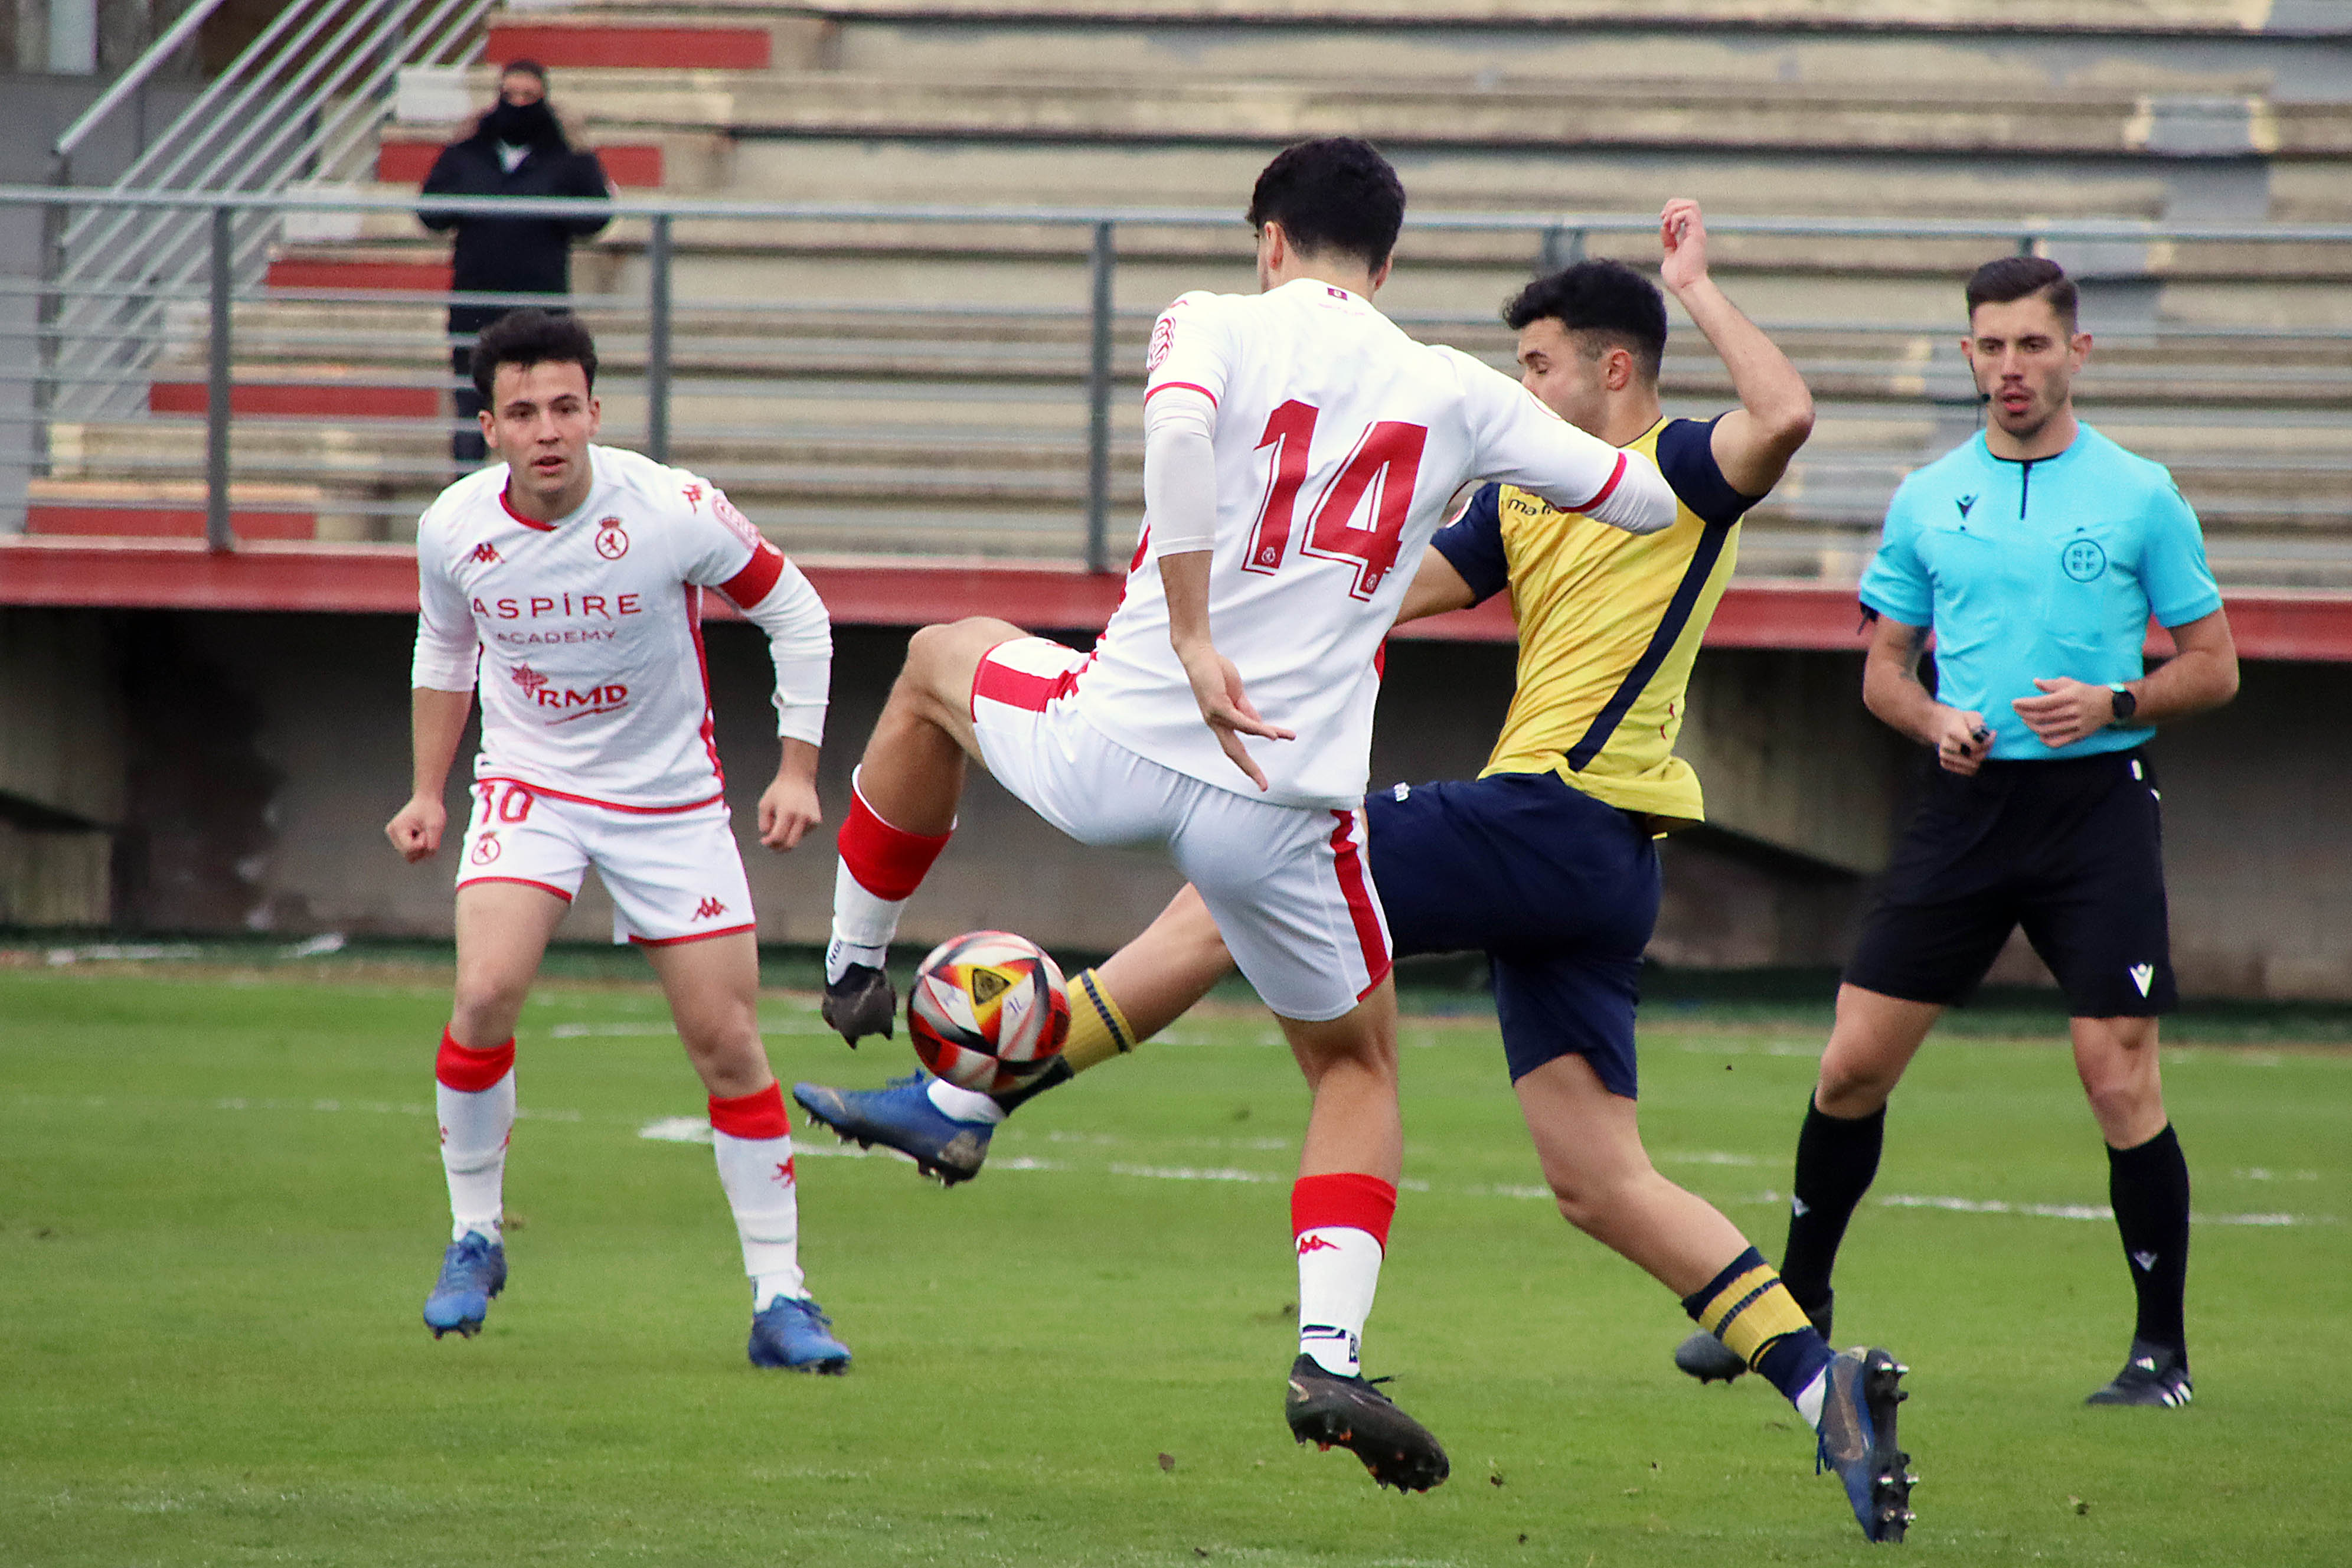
{"x": 522, "y": 125}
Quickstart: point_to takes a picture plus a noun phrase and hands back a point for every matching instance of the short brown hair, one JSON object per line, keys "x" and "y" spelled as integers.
{"x": 530, "y": 337}
{"x": 2008, "y": 278}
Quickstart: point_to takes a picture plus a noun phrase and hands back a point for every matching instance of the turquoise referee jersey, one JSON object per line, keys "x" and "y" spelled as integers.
{"x": 2040, "y": 569}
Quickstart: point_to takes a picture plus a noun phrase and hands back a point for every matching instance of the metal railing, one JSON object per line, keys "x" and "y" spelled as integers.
{"x": 301, "y": 101}
{"x": 795, "y": 398}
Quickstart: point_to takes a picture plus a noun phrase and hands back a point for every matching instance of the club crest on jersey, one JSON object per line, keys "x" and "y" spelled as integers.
{"x": 485, "y": 552}
{"x": 2085, "y": 561}
{"x": 486, "y": 850}
{"x": 612, "y": 541}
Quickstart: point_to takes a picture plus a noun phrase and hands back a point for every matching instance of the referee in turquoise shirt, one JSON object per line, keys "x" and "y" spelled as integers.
{"x": 2036, "y": 553}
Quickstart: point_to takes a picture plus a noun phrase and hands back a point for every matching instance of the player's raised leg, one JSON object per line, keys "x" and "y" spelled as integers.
{"x": 713, "y": 987}
{"x": 502, "y": 932}
{"x": 902, "y": 809}
{"x": 1132, "y": 996}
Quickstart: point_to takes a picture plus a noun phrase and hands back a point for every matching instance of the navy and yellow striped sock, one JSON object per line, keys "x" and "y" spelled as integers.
{"x": 1749, "y": 1310}
{"x": 1098, "y": 1031}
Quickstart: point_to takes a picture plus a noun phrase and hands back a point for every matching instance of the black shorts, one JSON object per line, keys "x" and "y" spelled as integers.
{"x": 1559, "y": 890}
{"x": 2072, "y": 850}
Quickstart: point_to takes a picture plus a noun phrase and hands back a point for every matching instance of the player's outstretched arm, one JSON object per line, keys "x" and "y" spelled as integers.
{"x": 1754, "y": 442}
{"x": 1892, "y": 691}
{"x": 1225, "y": 708}
{"x": 788, "y": 806}
{"x": 436, "y": 722}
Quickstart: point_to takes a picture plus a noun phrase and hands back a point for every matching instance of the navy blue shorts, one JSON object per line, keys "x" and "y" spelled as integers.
{"x": 1559, "y": 890}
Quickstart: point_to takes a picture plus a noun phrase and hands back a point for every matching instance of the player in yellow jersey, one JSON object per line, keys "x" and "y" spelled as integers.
{"x": 1547, "y": 861}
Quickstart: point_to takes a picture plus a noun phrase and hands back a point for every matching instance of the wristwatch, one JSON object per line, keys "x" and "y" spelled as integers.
{"x": 2125, "y": 704}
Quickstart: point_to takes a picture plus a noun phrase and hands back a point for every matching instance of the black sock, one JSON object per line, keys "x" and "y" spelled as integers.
{"x": 1013, "y": 1100}
{"x": 1837, "y": 1158}
{"x": 2148, "y": 1186}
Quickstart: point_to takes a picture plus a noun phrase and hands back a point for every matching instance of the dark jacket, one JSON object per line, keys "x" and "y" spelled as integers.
{"x": 521, "y": 256}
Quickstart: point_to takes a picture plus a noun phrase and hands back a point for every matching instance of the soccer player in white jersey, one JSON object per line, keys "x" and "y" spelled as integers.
{"x": 1298, "y": 446}
{"x": 570, "y": 576}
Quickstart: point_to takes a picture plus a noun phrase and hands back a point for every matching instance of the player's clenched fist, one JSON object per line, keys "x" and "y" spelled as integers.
{"x": 415, "y": 830}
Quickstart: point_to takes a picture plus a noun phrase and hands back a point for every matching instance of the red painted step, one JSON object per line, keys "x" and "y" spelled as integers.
{"x": 391, "y": 277}
{"x": 709, "y": 48}
{"x": 161, "y": 523}
{"x": 630, "y": 165}
{"x": 301, "y": 400}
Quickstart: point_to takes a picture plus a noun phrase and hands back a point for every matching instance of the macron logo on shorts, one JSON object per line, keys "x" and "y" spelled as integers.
{"x": 2143, "y": 975}
{"x": 709, "y": 909}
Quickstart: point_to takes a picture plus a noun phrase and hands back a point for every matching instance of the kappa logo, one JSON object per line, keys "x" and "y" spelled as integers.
{"x": 693, "y": 494}
{"x": 1313, "y": 1242}
{"x": 709, "y": 909}
{"x": 2143, "y": 975}
{"x": 611, "y": 541}
{"x": 1966, "y": 504}
{"x": 2146, "y": 1260}
{"x": 784, "y": 1171}
{"x": 485, "y": 552}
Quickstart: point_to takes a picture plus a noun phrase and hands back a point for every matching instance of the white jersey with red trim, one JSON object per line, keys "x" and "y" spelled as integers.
{"x": 589, "y": 629}
{"x": 1339, "y": 441}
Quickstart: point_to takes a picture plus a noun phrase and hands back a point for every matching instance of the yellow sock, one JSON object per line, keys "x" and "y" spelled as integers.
{"x": 1098, "y": 1030}
{"x": 1751, "y": 1310}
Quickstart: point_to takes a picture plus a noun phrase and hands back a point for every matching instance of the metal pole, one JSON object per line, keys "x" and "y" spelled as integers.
{"x": 2026, "y": 243}
{"x": 217, "y": 385}
{"x": 657, "y": 257}
{"x": 1561, "y": 246}
{"x": 1100, "y": 266}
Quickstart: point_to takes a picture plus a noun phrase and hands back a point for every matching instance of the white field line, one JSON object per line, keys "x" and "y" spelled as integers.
{"x": 695, "y": 1130}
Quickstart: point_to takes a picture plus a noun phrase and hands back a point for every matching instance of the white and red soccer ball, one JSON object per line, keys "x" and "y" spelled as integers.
{"x": 988, "y": 1011}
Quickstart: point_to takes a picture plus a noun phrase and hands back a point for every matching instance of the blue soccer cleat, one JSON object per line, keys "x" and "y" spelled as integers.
{"x": 473, "y": 1270}
{"x": 1858, "y": 1440}
{"x": 902, "y": 1117}
{"x": 793, "y": 1333}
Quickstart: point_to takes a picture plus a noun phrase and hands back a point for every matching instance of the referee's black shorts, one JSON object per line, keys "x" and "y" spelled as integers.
{"x": 2072, "y": 850}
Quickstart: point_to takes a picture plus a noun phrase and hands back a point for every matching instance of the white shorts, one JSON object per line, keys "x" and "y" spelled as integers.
{"x": 1287, "y": 884}
{"x": 675, "y": 876}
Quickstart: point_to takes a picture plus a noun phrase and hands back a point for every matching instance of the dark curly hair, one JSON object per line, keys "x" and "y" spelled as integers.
{"x": 1335, "y": 193}
{"x": 530, "y": 337}
{"x": 1605, "y": 299}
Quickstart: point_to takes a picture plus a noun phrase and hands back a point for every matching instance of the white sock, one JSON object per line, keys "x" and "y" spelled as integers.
{"x": 964, "y": 1104}
{"x": 862, "y": 925}
{"x": 1338, "y": 1273}
{"x": 474, "y": 1130}
{"x": 1816, "y": 1394}
{"x": 757, "y": 1175}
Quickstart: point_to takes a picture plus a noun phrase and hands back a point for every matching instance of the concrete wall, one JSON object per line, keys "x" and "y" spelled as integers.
{"x": 262, "y": 753}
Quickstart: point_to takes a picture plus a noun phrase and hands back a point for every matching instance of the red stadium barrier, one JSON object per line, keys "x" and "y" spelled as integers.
{"x": 677, "y": 48}
{"x": 389, "y": 277}
{"x": 300, "y": 400}
{"x": 153, "y": 573}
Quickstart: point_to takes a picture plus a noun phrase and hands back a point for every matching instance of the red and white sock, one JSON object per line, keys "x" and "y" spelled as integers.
{"x": 1340, "y": 1222}
{"x": 474, "y": 1098}
{"x": 881, "y": 866}
{"x": 753, "y": 1139}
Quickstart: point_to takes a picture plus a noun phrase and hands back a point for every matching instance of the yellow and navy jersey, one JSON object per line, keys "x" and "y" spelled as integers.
{"x": 1610, "y": 623}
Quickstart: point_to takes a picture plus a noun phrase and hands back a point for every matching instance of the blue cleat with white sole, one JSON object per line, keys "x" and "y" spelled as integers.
{"x": 473, "y": 1270}
{"x": 1858, "y": 1440}
{"x": 901, "y": 1116}
{"x": 793, "y": 1333}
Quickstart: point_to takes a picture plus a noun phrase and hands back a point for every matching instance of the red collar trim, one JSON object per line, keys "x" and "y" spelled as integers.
{"x": 526, "y": 522}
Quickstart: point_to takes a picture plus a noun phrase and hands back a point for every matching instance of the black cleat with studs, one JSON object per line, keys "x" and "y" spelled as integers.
{"x": 1332, "y": 1411}
{"x": 2152, "y": 1374}
{"x": 860, "y": 1003}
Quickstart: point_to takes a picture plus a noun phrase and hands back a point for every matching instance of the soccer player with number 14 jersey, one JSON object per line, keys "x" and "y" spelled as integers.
{"x": 567, "y": 584}
{"x": 1298, "y": 446}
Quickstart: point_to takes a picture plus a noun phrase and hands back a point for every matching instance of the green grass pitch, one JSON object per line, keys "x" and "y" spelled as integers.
{"x": 220, "y": 1208}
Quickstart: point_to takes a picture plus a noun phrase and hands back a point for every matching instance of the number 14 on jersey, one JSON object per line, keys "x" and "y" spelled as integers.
{"x": 1378, "y": 477}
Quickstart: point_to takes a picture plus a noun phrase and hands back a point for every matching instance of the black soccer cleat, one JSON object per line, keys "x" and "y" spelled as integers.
{"x": 1328, "y": 1409}
{"x": 1708, "y": 1359}
{"x": 2152, "y": 1374}
{"x": 1857, "y": 1441}
{"x": 860, "y": 1003}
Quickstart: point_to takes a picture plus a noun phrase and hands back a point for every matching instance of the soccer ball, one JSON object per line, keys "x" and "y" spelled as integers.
{"x": 988, "y": 1012}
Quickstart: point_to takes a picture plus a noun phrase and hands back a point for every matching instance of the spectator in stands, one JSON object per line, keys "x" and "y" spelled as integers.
{"x": 516, "y": 149}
